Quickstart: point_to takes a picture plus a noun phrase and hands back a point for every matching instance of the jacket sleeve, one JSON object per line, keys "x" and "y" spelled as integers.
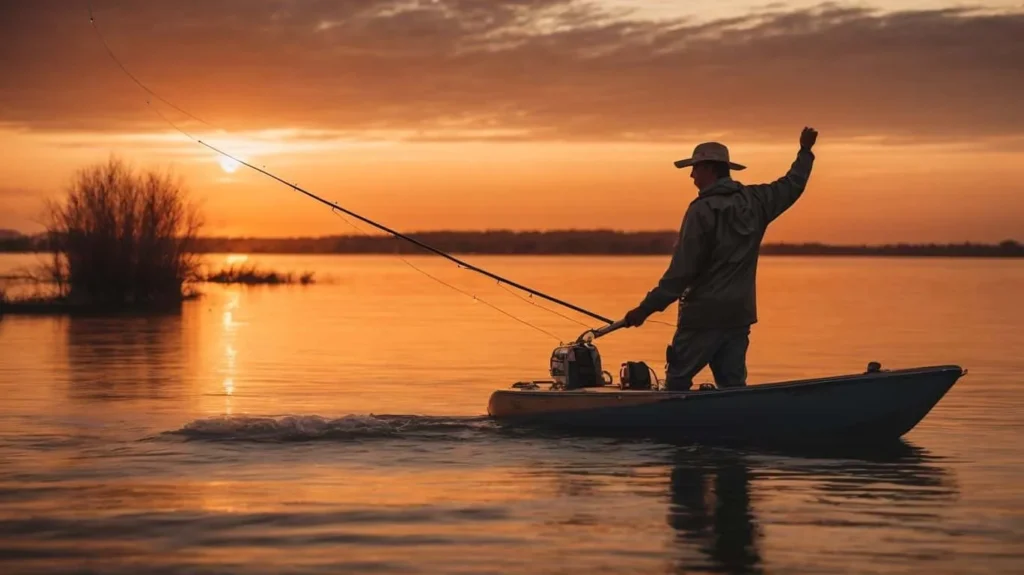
{"x": 779, "y": 195}
{"x": 687, "y": 259}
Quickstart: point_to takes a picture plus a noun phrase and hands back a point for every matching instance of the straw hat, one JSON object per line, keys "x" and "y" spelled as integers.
{"x": 709, "y": 152}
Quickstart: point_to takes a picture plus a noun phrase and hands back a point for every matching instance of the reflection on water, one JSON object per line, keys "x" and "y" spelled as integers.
{"x": 710, "y": 511}
{"x": 231, "y": 326}
{"x": 125, "y": 358}
{"x": 715, "y": 513}
{"x": 339, "y": 428}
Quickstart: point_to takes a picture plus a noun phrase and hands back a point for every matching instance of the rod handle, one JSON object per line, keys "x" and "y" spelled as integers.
{"x": 602, "y": 331}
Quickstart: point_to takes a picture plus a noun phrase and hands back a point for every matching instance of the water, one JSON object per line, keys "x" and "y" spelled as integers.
{"x": 340, "y": 427}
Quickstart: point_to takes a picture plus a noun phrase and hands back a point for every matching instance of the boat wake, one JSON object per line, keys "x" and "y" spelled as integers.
{"x": 315, "y": 427}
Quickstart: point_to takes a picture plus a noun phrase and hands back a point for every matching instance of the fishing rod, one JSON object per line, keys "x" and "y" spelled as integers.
{"x": 334, "y": 205}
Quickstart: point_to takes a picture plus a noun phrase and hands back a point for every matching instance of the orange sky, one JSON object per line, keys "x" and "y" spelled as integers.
{"x": 527, "y": 114}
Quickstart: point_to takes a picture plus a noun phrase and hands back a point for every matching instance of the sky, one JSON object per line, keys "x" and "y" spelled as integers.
{"x": 524, "y": 114}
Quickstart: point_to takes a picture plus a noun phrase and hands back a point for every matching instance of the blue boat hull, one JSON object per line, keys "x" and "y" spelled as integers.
{"x": 871, "y": 407}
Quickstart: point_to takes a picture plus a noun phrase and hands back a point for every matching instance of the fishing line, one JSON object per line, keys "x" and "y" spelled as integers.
{"x": 463, "y": 292}
{"x": 533, "y": 303}
{"x": 92, "y": 21}
{"x": 333, "y": 205}
{"x": 335, "y": 208}
{"x": 474, "y": 296}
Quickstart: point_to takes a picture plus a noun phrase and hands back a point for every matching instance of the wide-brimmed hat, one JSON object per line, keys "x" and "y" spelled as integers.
{"x": 709, "y": 152}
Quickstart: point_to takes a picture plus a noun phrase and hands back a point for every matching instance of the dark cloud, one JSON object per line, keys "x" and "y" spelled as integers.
{"x": 546, "y": 69}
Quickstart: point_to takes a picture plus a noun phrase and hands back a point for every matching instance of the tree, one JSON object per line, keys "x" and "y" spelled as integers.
{"x": 121, "y": 238}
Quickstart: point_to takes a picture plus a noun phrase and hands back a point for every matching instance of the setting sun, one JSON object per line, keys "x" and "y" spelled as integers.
{"x": 228, "y": 165}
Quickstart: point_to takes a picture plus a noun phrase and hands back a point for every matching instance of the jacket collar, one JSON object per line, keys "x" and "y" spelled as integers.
{"x": 725, "y": 185}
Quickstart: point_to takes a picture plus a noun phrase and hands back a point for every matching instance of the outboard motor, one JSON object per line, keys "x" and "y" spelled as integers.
{"x": 577, "y": 365}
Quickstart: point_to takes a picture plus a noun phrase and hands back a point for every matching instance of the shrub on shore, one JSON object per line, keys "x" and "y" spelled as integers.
{"x": 122, "y": 239}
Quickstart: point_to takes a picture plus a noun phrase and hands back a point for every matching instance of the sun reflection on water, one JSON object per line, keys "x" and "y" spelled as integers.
{"x": 232, "y": 259}
{"x": 230, "y": 352}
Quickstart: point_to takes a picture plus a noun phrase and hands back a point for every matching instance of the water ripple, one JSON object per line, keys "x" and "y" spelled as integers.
{"x": 310, "y": 427}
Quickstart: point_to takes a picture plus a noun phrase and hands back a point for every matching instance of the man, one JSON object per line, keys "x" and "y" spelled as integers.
{"x": 713, "y": 269}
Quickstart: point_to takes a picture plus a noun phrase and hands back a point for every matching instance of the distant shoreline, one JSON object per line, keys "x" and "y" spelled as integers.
{"x": 565, "y": 242}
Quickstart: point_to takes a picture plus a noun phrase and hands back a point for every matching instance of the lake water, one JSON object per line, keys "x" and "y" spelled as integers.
{"x": 340, "y": 427}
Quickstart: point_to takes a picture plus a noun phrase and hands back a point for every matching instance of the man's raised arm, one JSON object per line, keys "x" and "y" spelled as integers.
{"x": 779, "y": 195}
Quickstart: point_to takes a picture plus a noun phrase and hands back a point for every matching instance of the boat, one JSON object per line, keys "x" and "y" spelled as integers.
{"x": 876, "y": 406}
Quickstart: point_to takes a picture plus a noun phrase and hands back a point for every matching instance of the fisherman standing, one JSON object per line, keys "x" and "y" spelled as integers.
{"x": 714, "y": 265}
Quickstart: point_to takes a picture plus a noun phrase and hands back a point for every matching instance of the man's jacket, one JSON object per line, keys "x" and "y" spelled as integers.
{"x": 714, "y": 264}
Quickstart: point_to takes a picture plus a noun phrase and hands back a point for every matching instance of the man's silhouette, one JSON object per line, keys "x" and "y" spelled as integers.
{"x": 713, "y": 269}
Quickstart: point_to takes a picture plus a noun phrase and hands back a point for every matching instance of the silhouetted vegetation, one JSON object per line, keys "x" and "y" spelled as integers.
{"x": 11, "y": 241}
{"x": 119, "y": 240}
{"x": 1007, "y": 248}
{"x": 250, "y": 274}
{"x": 563, "y": 242}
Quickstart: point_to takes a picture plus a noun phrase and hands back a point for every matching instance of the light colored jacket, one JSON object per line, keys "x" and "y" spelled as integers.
{"x": 714, "y": 265}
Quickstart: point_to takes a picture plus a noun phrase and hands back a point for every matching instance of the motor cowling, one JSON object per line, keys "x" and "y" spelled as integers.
{"x": 577, "y": 365}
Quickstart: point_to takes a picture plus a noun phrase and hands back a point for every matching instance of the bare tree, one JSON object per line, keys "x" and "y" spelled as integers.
{"x": 122, "y": 238}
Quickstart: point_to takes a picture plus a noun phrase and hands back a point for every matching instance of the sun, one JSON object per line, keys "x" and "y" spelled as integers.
{"x": 229, "y": 165}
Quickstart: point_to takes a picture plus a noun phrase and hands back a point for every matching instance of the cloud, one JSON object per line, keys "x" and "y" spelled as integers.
{"x": 515, "y": 70}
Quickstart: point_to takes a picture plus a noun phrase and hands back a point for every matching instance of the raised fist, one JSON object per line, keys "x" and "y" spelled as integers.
{"x": 808, "y": 137}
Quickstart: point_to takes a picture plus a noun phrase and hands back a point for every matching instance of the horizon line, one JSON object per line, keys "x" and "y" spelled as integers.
{"x": 558, "y": 231}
